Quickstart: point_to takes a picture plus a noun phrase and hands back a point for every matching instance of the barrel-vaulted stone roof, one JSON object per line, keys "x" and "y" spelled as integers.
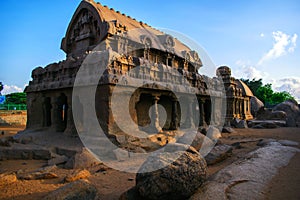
{"x": 111, "y": 22}
{"x": 245, "y": 89}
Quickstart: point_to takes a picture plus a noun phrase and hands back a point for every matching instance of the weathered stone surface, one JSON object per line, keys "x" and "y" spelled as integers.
{"x": 65, "y": 152}
{"x": 278, "y": 115}
{"x": 5, "y": 141}
{"x": 173, "y": 147}
{"x": 268, "y": 142}
{"x": 213, "y": 133}
{"x": 292, "y": 111}
{"x": 121, "y": 154}
{"x": 81, "y": 160}
{"x": 258, "y": 126}
{"x": 265, "y": 142}
{"x": 267, "y": 125}
{"x": 203, "y": 144}
{"x": 77, "y": 175}
{"x": 288, "y": 143}
{"x": 268, "y": 114}
{"x": 256, "y": 105}
{"x": 41, "y": 154}
{"x": 12, "y": 153}
{"x": 148, "y": 144}
{"x": 227, "y": 129}
{"x": 6, "y": 179}
{"x": 278, "y": 123}
{"x": 218, "y": 154}
{"x": 47, "y": 169}
{"x": 37, "y": 175}
{"x": 41, "y": 173}
{"x": 79, "y": 190}
{"x": 236, "y": 145}
{"x": 242, "y": 124}
{"x": 195, "y": 141}
{"x": 235, "y": 122}
{"x": 247, "y": 177}
{"x": 131, "y": 194}
{"x": 176, "y": 181}
{"x": 58, "y": 159}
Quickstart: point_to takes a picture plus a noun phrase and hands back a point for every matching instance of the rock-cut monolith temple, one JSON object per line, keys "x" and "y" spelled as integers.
{"x": 169, "y": 92}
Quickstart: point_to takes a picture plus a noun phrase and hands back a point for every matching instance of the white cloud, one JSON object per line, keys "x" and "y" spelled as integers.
{"x": 247, "y": 71}
{"x": 283, "y": 43}
{"x": 293, "y": 43}
{"x": 291, "y": 85}
{"x": 7, "y": 89}
{"x": 262, "y": 35}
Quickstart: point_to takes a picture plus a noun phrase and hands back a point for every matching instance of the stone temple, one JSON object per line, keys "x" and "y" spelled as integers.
{"x": 167, "y": 68}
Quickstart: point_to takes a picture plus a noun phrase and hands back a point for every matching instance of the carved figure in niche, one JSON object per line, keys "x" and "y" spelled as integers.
{"x": 78, "y": 111}
{"x": 84, "y": 24}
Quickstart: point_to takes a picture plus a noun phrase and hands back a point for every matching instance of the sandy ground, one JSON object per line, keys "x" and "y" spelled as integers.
{"x": 111, "y": 183}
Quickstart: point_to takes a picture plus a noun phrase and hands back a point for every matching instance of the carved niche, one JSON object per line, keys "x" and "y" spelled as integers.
{"x": 84, "y": 31}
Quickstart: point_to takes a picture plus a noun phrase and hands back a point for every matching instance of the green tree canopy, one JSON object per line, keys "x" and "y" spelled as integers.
{"x": 253, "y": 85}
{"x": 16, "y": 98}
{"x": 265, "y": 92}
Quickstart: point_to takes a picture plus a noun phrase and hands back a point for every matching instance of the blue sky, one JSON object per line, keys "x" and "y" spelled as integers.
{"x": 257, "y": 39}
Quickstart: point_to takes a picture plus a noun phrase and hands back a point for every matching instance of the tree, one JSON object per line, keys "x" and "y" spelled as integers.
{"x": 254, "y": 85}
{"x": 279, "y": 97}
{"x": 265, "y": 92}
{"x": 16, "y": 98}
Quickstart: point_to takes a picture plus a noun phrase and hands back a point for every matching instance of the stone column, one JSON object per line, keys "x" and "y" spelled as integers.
{"x": 189, "y": 122}
{"x": 174, "y": 119}
{"x": 70, "y": 126}
{"x": 232, "y": 105}
{"x": 239, "y": 108}
{"x": 54, "y": 114}
{"x": 154, "y": 126}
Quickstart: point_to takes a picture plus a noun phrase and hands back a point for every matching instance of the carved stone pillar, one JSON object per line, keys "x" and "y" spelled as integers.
{"x": 70, "y": 126}
{"x": 189, "y": 122}
{"x": 54, "y": 114}
{"x": 232, "y": 105}
{"x": 174, "y": 119}
{"x": 239, "y": 108}
{"x": 154, "y": 126}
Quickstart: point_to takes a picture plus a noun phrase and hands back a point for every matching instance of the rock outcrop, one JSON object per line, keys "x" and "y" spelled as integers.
{"x": 81, "y": 189}
{"x": 218, "y": 154}
{"x": 256, "y": 105}
{"x": 292, "y": 111}
{"x": 247, "y": 177}
{"x": 178, "y": 180}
